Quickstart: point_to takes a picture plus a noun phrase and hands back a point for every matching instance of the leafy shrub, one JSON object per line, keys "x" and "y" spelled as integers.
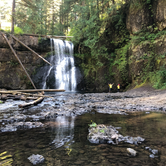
{"x": 18, "y": 30}
{"x": 158, "y": 78}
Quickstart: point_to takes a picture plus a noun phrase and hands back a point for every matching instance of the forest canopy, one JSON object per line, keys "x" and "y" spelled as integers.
{"x": 60, "y": 17}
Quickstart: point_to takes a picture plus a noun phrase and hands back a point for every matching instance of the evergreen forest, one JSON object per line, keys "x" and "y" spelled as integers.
{"x": 119, "y": 41}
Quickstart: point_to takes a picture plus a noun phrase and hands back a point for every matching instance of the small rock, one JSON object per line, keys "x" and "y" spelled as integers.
{"x": 154, "y": 151}
{"x": 79, "y": 162}
{"x": 94, "y": 162}
{"x": 82, "y": 151}
{"x": 147, "y": 148}
{"x": 132, "y": 151}
{"x": 36, "y": 159}
{"x": 151, "y": 156}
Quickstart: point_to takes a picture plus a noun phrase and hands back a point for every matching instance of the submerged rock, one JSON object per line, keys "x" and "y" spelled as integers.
{"x": 36, "y": 159}
{"x": 155, "y": 151}
{"x": 20, "y": 125}
{"x": 152, "y": 156}
{"x": 132, "y": 151}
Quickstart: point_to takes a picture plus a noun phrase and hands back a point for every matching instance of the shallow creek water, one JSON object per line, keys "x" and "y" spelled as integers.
{"x": 64, "y": 142}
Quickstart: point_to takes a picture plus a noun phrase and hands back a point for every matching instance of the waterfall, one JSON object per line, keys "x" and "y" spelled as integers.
{"x": 62, "y": 73}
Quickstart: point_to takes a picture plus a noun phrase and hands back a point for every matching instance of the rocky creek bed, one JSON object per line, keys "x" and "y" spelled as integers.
{"x": 13, "y": 118}
{"x": 73, "y": 104}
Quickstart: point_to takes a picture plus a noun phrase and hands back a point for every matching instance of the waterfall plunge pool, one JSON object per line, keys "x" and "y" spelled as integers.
{"x": 64, "y": 141}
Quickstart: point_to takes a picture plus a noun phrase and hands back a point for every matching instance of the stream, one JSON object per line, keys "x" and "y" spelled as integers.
{"x": 63, "y": 141}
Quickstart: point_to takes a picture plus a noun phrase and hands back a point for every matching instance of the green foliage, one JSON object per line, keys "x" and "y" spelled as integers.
{"x": 143, "y": 36}
{"x": 93, "y": 124}
{"x": 122, "y": 61}
{"x": 158, "y": 78}
{"x": 89, "y": 31}
{"x": 48, "y": 54}
{"x": 1, "y": 102}
{"x": 18, "y": 30}
{"x": 102, "y": 131}
{"x": 13, "y": 63}
{"x": 38, "y": 17}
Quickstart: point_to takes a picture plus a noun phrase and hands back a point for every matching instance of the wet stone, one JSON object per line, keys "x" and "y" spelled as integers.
{"x": 36, "y": 159}
{"x": 95, "y": 162}
{"x": 79, "y": 162}
{"x": 81, "y": 151}
{"x": 104, "y": 154}
{"x": 83, "y": 159}
{"x": 94, "y": 150}
{"x": 102, "y": 146}
{"x": 132, "y": 151}
{"x": 152, "y": 156}
{"x": 154, "y": 151}
{"x": 110, "y": 157}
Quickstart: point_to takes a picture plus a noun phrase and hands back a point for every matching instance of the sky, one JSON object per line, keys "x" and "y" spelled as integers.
{"x": 5, "y": 5}
{"x": 9, "y": 2}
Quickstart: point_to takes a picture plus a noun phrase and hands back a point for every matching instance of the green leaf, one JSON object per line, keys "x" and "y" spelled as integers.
{"x": 93, "y": 124}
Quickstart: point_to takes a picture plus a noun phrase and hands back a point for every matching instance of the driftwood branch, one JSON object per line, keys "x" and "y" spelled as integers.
{"x": 48, "y": 36}
{"x": 21, "y": 93}
{"x": 40, "y": 90}
{"x": 38, "y": 98}
{"x": 35, "y": 102}
{"x": 31, "y": 50}
{"x": 17, "y": 58}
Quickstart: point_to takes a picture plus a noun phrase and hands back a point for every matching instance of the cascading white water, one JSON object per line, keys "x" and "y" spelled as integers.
{"x": 63, "y": 66}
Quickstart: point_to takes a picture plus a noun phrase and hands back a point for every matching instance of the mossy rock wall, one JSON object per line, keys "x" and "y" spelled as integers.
{"x": 12, "y": 76}
{"x": 138, "y": 55}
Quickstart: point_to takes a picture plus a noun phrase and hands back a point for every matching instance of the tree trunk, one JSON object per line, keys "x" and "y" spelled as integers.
{"x": 13, "y": 13}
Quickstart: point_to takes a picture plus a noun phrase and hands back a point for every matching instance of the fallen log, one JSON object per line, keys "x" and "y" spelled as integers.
{"x": 35, "y": 102}
{"x": 26, "y": 94}
{"x": 40, "y": 90}
{"x": 48, "y": 36}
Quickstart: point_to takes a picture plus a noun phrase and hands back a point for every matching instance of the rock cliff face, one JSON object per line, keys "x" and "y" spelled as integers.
{"x": 12, "y": 76}
{"x": 143, "y": 54}
{"x": 146, "y": 53}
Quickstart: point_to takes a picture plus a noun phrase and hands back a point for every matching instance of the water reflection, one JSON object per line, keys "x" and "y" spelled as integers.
{"x": 64, "y": 141}
{"x": 64, "y": 129}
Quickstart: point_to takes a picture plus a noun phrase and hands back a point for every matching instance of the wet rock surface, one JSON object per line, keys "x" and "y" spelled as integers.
{"x": 36, "y": 159}
{"x": 73, "y": 104}
{"x": 109, "y": 134}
